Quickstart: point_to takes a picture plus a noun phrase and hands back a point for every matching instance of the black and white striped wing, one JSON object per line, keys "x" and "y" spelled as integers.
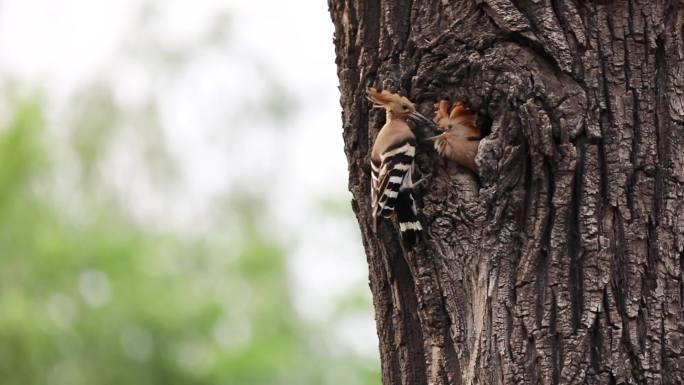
{"x": 390, "y": 175}
{"x": 410, "y": 228}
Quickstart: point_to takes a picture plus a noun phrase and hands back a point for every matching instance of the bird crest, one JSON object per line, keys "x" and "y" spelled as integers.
{"x": 459, "y": 114}
{"x": 386, "y": 99}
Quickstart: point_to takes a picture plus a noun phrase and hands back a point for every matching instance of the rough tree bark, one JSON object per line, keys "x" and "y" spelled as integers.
{"x": 562, "y": 262}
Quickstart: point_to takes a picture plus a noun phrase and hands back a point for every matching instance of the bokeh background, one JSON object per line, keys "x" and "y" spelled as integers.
{"x": 173, "y": 201}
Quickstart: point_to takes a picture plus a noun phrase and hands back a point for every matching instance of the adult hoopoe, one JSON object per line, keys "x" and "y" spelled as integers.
{"x": 461, "y": 138}
{"x": 392, "y": 166}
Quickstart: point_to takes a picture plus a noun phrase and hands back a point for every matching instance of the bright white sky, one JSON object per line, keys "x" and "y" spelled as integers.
{"x": 62, "y": 45}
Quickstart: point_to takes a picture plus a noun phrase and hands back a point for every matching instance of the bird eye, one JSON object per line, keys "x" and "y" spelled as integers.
{"x": 451, "y": 126}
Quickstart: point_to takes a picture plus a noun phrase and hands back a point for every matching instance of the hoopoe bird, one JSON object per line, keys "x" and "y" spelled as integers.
{"x": 461, "y": 138}
{"x": 392, "y": 166}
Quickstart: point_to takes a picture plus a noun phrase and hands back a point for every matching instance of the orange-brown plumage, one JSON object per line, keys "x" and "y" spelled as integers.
{"x": 395, "y": 130}
{"x": 392, "y": 159}
{"x": 461, "y": 138}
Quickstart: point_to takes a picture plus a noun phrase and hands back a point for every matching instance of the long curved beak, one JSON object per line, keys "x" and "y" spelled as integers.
{"x": 419, "y": 118}
{"x": 431, "y": 139}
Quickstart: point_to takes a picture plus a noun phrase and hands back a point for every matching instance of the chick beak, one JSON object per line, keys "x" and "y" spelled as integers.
{"x": 431, "y": 139}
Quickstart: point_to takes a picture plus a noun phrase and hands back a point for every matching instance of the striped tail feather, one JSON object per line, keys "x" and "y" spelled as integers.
{"x": 407, "y": 215}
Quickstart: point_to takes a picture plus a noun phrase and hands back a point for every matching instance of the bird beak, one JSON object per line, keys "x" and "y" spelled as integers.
{"x": 431, "y": 139}
{"x": 420, "y": 118}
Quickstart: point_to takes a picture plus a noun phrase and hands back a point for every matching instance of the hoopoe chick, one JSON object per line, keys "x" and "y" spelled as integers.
{"x": 461, "y": 138}
{"x": 392, "y": 166}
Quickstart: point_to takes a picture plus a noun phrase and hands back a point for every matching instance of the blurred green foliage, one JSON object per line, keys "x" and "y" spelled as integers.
{"x": 99, "y": 299}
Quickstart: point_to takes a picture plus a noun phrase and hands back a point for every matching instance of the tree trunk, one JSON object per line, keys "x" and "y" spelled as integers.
{"x": 561, "y": 263}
